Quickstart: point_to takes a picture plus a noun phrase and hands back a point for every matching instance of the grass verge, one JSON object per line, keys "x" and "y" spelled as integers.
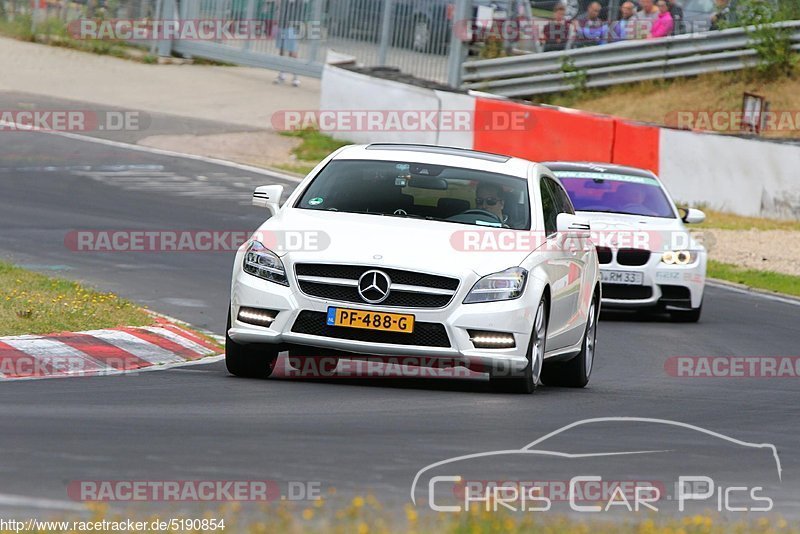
{"x": 728, "y": 221}
{"x": 314, "y": 147}
{"x": 767, "y": 280}
{"x": 366, "y": 515}
{"x": 54, "y": 32}
{"x": 32, "y": 303}
{"x": 659, "y": 101}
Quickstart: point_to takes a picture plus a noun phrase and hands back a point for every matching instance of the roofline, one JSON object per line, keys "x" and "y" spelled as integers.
{"x": 455, "y": 150}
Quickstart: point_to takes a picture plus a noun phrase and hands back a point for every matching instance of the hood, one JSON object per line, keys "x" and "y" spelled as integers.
{"x": 617, "y": 230}
{"x": 381, "y": 241}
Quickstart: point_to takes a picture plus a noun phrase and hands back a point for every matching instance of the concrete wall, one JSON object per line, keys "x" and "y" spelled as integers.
{"x": 742, "y": 176}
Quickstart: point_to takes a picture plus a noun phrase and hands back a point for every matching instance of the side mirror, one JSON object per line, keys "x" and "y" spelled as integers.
{"x": 569, "y": 224}
{"x": 692, "y": 215}
{"x": 268, "y": 196}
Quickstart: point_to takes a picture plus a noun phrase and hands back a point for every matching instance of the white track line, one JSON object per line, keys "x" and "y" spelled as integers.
{"x": 22, "y": 501}
{"x": 114, "y": 372}
{"x": 744, "y": 290}
{"x": 158, "y": 151}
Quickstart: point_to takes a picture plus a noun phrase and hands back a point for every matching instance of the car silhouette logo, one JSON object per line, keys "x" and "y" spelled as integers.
{"x": 373, "y": 286}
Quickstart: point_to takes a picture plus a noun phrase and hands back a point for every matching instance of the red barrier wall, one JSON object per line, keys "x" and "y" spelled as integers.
{"x": 547, "y": 134}
{"x": 636, "y": 145}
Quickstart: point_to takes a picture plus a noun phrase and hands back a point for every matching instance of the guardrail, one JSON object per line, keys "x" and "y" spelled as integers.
{"x": 617, "y": 63}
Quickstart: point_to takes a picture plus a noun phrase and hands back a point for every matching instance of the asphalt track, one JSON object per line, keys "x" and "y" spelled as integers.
{"x": 357, "y": 435}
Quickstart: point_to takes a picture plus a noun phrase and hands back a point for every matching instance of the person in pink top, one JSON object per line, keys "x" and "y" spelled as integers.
{"x": 664, "y": 24}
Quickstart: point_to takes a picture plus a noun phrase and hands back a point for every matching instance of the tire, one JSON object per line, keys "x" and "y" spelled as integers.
{"x": 575, "y": 373}
{"x": 249, "y": 361}
{"x": 687, "y": 316}
{"x": 527, "y": 380}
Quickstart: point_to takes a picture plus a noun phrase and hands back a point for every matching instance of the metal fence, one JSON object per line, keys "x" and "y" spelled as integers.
{"x": 617, "y": 63}
{"x": 294, "y": 35}
{"x": 412, "y": 35}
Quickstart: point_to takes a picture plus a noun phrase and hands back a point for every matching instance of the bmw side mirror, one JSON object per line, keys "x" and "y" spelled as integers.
{"x": 268, "y": 196}
{"x": 692, "y": 216}
{"x": 566, "y": 223}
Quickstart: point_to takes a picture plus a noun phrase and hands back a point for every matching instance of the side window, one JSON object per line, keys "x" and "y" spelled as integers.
{"x": 549, "y": 207}
{"x": 562, "y": 199}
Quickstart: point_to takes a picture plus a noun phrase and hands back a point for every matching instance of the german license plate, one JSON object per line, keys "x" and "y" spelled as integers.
{"x": 386, "y": 322}
{"x": 630, "y": 278}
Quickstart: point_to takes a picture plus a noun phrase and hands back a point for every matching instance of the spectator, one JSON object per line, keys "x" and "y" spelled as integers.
{"x": 646, "y": 17}
{"x": 590, "y": 28}
{"x": 290, "y": 14}
{"x": 664, "y": 24}
{"x": 556, "y": 32}
{"x": 625, "y": 27}
{"x": 676, "y": 11}
{"x": 722, "y": 17}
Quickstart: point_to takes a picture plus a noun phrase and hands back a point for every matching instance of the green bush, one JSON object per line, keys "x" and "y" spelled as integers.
{"x": 773, "y": 45}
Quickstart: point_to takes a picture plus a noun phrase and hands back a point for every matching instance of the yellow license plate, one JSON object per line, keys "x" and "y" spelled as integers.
{"x": 386, "y": 322}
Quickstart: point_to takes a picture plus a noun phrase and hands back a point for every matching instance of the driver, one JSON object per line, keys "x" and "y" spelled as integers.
{"x": 489, "y": 197}
{"x": 631, "y": 196}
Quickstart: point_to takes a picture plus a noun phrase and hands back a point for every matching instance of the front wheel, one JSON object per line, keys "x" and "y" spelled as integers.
{"x": 527, "y": 380}
{"x": 575, "y": 373}
{"x": 249, "y": 361}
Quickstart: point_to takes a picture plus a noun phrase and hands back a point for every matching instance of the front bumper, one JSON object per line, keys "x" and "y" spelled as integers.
{"x": 670, "y": 287}
{"x": 513, "y": 316}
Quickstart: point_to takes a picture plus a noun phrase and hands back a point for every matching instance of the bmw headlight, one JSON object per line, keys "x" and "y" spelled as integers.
{"x": 680, "y": 257}
{"x": 263, "y": 263}
{"x": 505, "y": 285}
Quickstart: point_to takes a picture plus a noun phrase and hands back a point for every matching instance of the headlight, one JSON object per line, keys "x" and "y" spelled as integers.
{"x": 263, "y": 263}
{"x": 505, "y": 285}
{"x": 680, "y": 257}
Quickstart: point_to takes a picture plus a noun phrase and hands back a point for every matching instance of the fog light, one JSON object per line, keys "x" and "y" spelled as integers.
{"x": 491, "y": 340}
{"x": 256, "y": 316}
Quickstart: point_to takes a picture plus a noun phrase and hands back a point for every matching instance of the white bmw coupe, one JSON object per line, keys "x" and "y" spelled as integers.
{"x": 450, "y": 256}
{"x": 648, "y": 259}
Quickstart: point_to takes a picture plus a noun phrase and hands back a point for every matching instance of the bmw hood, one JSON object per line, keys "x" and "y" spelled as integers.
{"x": 384, "y": 241}
{"x": 657, "y": 234}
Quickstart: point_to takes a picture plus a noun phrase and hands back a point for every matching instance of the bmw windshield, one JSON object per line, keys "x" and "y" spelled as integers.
{"x": 616, "y": 193}
{"x": 420, "y": 190}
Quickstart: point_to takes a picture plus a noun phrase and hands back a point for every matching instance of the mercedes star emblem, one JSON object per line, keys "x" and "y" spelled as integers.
{"x": 373, "y": 286}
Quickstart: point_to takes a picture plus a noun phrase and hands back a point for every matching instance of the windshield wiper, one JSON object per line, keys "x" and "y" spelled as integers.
{"x": 409, "y": 216}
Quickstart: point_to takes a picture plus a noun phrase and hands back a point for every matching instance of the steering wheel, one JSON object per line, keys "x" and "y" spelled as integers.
{"x": 476, "y": 211}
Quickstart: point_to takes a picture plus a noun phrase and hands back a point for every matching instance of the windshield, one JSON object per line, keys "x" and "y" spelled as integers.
{"x": 420, "y": 190}
{"x": 616, "y": 193}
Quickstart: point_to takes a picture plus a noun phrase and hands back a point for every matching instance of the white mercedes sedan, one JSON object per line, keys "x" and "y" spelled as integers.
{"x": 427, "y": 255}
{"x": 648, "y": 259}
